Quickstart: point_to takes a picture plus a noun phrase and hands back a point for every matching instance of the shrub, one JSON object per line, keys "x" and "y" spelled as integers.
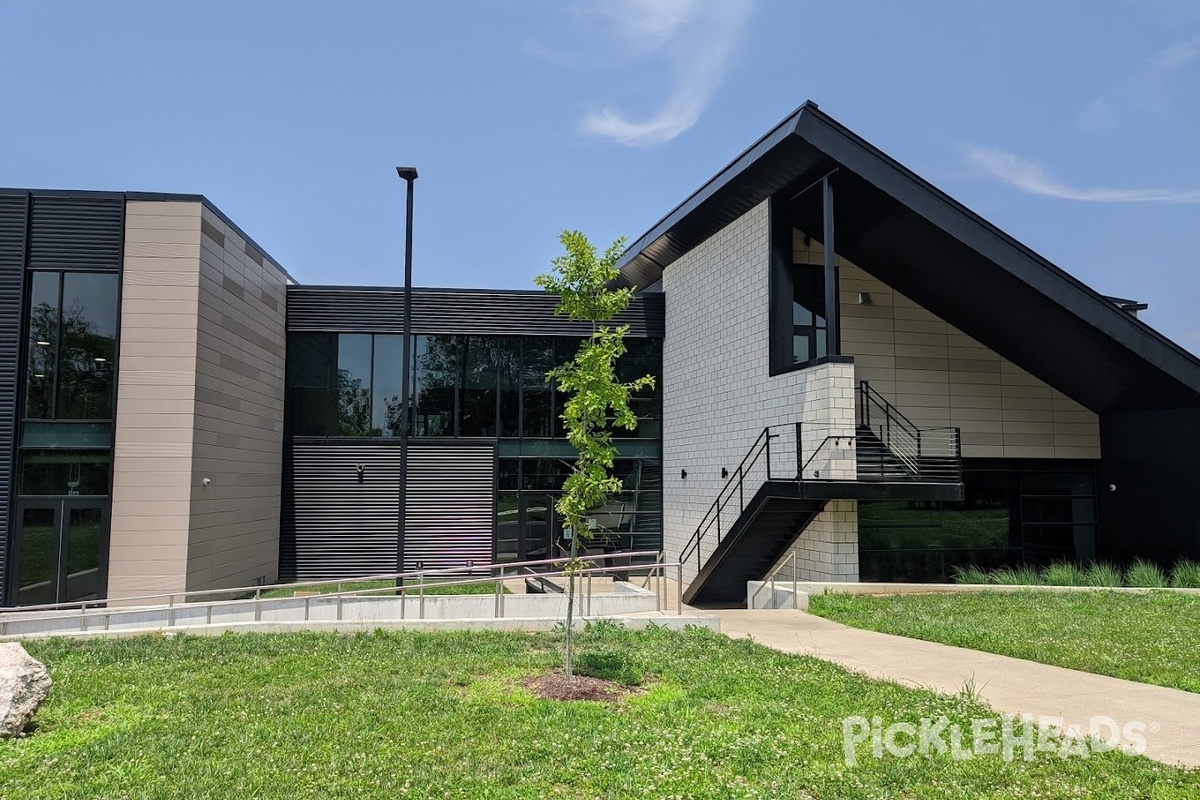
{"x": 970, "y": 574}
{"x": 1023, "y": 575}
{"x": 1063, "y": 573}
{"x": 1145, "y": 574}
{"x": 1101, "y": 573}
{"x": 1186, "y": 575}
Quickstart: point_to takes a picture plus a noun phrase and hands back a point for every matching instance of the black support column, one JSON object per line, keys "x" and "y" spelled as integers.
{"x": 834, "y": 333}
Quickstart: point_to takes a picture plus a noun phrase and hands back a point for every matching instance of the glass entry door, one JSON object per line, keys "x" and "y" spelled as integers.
{"x": 60, "y": 548}
{"x": 537, "y": 527}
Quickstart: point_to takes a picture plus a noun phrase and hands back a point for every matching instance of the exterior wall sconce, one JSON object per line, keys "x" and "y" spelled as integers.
{"x": 724, "y": 472}
{"x": 206, "y": 481}
{"x": 864, "y": 298}
{"x": 361, "y": 470}
{"x": 683, "y": 474}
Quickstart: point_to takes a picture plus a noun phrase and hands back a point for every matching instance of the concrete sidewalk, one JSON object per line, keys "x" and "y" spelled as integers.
{"x": 1009, "y": 685}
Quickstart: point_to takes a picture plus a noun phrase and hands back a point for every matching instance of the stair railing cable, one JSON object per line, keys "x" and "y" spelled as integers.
{"x": 897, "y": 433}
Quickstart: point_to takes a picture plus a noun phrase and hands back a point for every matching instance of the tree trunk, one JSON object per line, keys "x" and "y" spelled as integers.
{"x": 571, "y": 599}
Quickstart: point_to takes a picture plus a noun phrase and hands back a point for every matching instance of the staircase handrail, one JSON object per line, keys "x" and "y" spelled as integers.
{"x": 762, "y": 444}
{"x": 869, "y": 395}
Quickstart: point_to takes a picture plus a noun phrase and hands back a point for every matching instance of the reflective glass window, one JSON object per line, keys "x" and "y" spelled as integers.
{"x": 87, "y": 346}
{"x": 64, "y": 472}
{"x": 437, "y": 366}
{"x": 809, "y": 329}
{"x": 477, "y": 406}
{"x": 537, "y": 359}
{"x": 508, "y": 372}
{"x": 311, "y": 404}
{"x": 354, "y": 384}
{"x": 386, "y": 410}
{"x": 42, "y": 366}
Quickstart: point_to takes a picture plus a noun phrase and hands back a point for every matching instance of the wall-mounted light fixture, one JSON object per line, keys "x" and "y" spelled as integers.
{"x": 807, "y": 240}
{"x": 683, "y": 474}
{"x": 206, "y": 481}
{"x": 360, "y": 470}
{"x": 864, "y": 298}
{"x": 724, "y": 472}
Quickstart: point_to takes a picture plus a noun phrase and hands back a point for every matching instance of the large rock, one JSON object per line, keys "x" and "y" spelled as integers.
{"x": 24, "y": 684}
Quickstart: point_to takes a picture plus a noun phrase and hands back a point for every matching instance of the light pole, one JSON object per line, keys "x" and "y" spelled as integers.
{"x": 409, "y": 176}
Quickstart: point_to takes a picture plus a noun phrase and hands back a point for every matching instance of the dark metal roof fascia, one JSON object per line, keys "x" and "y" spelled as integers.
{"x": 1072, "y": 294}
{"x": 710, "y": 188}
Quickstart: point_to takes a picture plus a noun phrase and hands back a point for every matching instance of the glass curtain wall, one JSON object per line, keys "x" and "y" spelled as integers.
{"x": 66, "y": 430}
{"x": 494, "y": 387}
{"x": 348, "y": 384}
{"x": 1011, "y": 514}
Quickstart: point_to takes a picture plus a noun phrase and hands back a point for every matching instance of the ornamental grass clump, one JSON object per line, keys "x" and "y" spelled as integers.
{"x": 970, "y": 573}
{"x": 1063, "y": 573}
{"x": 1186, "y": 575}
{"x": 1101, "y": 574}
{"x": 1023, "y": 575}
{"x": 1145, "y": 574}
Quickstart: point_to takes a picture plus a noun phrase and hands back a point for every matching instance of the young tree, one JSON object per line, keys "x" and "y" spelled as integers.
{"x": 597, "y": 401}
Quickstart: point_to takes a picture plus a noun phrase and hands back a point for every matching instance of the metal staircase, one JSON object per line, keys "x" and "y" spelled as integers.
{"x": 791, "y": 472}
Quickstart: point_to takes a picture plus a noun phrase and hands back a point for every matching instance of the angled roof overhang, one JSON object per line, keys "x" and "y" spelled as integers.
{"x": 924, "y": 244}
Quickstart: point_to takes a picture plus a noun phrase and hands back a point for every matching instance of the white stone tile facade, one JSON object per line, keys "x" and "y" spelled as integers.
{"x": 828, "y": 550}
{"x": 718, "y": 394}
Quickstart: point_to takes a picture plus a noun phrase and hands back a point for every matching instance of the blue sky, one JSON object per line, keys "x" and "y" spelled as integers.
{"x": 1073, "y": 126}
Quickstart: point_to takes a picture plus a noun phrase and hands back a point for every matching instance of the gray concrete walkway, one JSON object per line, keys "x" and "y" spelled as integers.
{"x": 1009, "y": 685}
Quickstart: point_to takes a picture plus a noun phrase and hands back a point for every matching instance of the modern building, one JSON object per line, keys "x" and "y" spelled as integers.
{"x": 858, "y": 377}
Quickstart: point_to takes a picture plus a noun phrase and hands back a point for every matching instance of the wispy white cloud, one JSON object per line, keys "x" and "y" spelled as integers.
{"x": 1033, "y": 178}
{"x": 695, "y": 40}
{"x": 1148, "y": 88}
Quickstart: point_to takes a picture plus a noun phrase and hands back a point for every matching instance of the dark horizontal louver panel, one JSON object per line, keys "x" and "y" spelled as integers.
{"x": 367, "y": 310}
{"x": 333, "y": 525}
{"x": 12, "y": 249}
{"x": 450, "y": 510}
{"x": 75, "y": 233}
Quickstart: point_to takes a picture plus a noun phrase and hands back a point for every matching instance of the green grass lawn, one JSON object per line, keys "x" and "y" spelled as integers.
{"x": 349, "y": 586}
{"x": 411, "y": 714}
{"x": 1150, "y": 638}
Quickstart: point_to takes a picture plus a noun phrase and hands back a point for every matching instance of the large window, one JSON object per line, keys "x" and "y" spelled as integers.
{"x": 64, "y": 472}
{"x": 354, "y": 384}
{"x": 467, "y": 386}
{"x": 72, "y": 329}
{"x": 1012, "y": 513}
{"x": 386, "y": 389}
{"x": 630, "y": 520}
{"x": 810, "y": 339}
{"x": 436, "y": 363}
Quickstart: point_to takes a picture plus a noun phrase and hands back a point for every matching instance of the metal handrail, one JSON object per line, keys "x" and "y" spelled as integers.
{"x": 257, "y": 590}
{"x": 833, "y": 437}
{"x": 659, "y": 566}
{"x": 890, "y": 410}
{"x": 771, "y": 579}
{"x": 762, "y": 444}
{"x": 910, "y": 445}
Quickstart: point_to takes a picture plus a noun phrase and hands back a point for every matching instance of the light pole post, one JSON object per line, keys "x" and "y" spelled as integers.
{"x": 409, "y": 176}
